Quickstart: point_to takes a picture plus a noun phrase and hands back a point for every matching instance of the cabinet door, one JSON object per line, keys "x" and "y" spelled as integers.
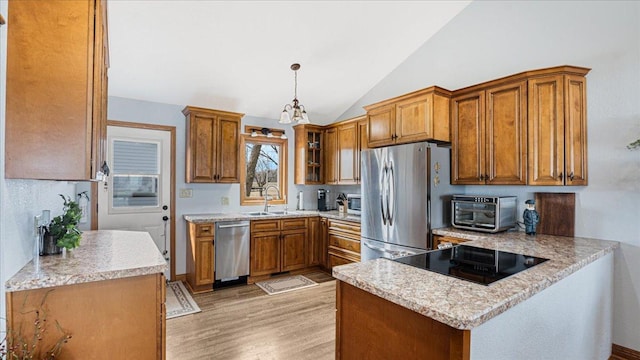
{"x": 265, "y": 253}
{"x": 201, "y": 164}
{"x": 204, "y": 263}
{"x": 546, "y": 131}
{"x": 413, "y": 119}
{"x": 362, "y": 145}
{"x": 294, "y": 249}
{"x": 467, "y": 143}
{"x": 575, "y": 130}
{"x": 228, "y": 150}
{"x": 309, "y": 160}
{"x": 324, "y": 237}
{"x": 330, "y": 156}
{"x": 382, "y": 126}
{"x": 506, "y": 134}
{"x": 314, "y": 244}
{"x": 50, "y": 117}
{"x": 347, "y": 150}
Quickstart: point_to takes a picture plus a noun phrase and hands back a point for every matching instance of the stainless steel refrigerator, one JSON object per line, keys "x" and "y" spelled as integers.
{"x": 405, "y": 193}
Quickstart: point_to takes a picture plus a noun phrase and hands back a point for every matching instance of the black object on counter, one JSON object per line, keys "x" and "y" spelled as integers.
{"x": 322, "y": 200}
{"x": 481, "y": 266}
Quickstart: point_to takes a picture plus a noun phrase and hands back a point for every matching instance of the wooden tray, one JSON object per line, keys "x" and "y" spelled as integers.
{"x": 557, "y": 213}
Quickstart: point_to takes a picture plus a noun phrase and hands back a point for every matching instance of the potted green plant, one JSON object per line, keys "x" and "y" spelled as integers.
{"x": 63, "y": 228}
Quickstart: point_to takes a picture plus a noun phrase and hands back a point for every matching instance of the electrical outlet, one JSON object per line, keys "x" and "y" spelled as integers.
{"x": 186, "y": 193}
{"x": 224, "y": 200}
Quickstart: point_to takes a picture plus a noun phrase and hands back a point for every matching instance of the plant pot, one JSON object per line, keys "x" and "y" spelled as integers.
{"x": 48, "y": 246}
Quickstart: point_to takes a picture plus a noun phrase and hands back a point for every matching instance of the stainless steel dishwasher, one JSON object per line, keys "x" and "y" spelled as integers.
{"x": 232, "y": 240}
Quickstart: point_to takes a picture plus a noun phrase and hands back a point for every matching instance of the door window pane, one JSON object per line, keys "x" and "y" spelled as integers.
{"x": 135, "y": 174}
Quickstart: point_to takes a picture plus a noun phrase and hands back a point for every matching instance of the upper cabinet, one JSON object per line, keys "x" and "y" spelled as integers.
{"x": 212, "y": 146}
{"x": 525, "y": 129}
{"x": 489, "y": 135}
{"x": 331, "y": 155}
{"x": 343, "y": 143}
{"x": 418, "y": 116}
{"x": 558, "y": 129}
{"x": 56, "y": 91}
{"x": 309, "y": 155}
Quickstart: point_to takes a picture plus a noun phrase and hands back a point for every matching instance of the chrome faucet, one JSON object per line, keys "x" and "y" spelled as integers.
{"x": 266, "y": 196}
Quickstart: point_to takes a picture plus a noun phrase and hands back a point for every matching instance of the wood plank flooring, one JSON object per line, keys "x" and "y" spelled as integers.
{"x": 243, "y": 322}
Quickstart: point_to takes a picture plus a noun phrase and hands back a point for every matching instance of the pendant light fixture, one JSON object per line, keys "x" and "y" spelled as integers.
{"x": 298, "y": 113}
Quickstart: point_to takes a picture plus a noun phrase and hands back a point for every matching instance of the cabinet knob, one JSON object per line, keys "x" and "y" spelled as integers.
{"x": 571, "y": 176}
{"x": 560, "y": 176}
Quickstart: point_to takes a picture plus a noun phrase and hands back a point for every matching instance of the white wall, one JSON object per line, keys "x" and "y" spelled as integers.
{"x": 488, "y": 40}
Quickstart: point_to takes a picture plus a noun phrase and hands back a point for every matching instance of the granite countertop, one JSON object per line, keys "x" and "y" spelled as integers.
{"x": 462, "y": 304}
{"x": 102, "y": 255}
{"x": 231, "y": 216}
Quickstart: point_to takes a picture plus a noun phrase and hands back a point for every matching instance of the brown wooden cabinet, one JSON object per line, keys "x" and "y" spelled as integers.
{"x": 439, "y": 239}
{"x": 200, "y": 257}
{"x": 309, "y": 163}
{"x": 558, "y": 129}
{"x": 418, "y": 116}
{"x": 121, "y": 318}
{"x": 278, "y": 245}
{"x": 314, "y": 245}
{"x": 343, "y": 240}
{"x": 212, "y": 146}
{"x": 331, "y": 155}
{"x": 56, "y": 91}
{"x": 489, "y": 135}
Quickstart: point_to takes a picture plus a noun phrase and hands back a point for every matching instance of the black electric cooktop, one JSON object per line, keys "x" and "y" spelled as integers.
{"x": 482, "y": 266}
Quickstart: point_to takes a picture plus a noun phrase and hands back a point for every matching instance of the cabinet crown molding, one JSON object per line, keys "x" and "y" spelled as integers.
{"x": 189, "y": 109}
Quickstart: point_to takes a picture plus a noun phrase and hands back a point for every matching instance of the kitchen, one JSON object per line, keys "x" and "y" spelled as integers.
{"x": 603, "y": 37}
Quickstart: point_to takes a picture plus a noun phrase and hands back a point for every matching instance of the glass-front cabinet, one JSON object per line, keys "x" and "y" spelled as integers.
{"x": 308, "y": 156}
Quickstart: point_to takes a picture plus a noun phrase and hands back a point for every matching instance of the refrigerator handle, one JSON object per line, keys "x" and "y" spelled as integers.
{"x": 383, "y": 187}
{"x": 392, "y": 194}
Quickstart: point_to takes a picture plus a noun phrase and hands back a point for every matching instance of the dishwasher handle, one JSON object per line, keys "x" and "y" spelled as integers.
{"x": 232, "y": 226}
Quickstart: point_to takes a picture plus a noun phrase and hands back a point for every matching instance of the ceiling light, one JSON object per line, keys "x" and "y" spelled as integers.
{"x": 283, "y": 136}
{"x": 254, "y": 133}
{"x": 299, "y": 114}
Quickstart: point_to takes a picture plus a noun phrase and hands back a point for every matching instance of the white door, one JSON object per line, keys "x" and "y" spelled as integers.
{"x": 137, "y": 193}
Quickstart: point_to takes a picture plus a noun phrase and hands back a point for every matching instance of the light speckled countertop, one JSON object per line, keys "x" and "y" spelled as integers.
{"x": 462, "y": 304}
{"x": 213, "y": 217}
{"x": 102, "y": 255}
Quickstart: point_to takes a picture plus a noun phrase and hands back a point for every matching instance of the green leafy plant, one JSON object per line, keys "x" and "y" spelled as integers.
{"x": 63, "y": 227}
{"x": 634, "y": 145}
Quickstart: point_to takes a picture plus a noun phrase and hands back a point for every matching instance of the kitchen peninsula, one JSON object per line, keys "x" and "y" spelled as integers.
{"x": 108, "y": 294}
{"x": 561, "y": 308}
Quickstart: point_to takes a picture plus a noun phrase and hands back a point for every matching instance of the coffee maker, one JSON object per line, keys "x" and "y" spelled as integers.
{"x": 322, "y": 200}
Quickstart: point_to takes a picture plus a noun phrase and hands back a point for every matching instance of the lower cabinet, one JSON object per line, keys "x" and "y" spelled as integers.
{"x": 200, "y": 257}
{"x": 109, "y": 319}
{"x": 278, "y": 246}
{"x": 439, "y": 239}
{"x": 315, "y": 244}
{"x": 343, "y": 240}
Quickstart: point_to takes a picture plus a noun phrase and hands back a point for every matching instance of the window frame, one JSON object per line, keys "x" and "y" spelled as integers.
{"x": 282, "y": 168}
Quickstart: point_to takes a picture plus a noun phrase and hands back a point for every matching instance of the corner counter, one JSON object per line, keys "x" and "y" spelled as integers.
{"x": 110, "y": 290}
{"x": 473, "y": 311}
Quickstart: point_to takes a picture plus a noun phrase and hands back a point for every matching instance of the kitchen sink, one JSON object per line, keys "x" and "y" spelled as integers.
{"x": 262, "y": 213}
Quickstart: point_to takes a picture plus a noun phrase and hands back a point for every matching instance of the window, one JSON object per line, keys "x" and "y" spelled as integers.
{"x": 135, "y": 174}
{"x": 263, "y": 163}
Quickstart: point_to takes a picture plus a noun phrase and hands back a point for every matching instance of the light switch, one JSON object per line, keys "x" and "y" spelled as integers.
{"x": 224, "y": 200}
{"x": 186, "y": 193}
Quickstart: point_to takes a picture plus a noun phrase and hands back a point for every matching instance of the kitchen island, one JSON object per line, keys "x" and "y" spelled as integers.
{"x": 108, "y": 295}
{"x": 558, "y": 309}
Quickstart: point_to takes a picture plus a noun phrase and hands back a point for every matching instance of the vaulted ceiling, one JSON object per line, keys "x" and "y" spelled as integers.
{"x": 235, "y": 55}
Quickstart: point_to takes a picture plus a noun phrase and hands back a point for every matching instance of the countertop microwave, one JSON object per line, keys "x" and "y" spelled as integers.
{"x": 353, "y": 204}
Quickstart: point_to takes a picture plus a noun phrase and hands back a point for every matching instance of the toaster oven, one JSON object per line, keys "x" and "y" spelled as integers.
{"x": 483, "y": 213}
{"x": 353, "y": 204}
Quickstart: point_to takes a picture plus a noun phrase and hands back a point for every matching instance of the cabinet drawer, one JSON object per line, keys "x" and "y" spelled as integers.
{"x": 294, "y": 223}
{"x": 204, "y": 230}
{"x": 265, "y": 225}
{"x": 346, "y": 254}
{"x": 344, "y": 243}
{"x": 345, "y": 226}
{"x": 337, "y": 261}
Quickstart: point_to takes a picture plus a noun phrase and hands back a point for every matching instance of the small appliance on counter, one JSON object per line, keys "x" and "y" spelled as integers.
{"x": 353, "y": 204}
{"x": 490, "y": 214}
{"x": 322, "y": 200}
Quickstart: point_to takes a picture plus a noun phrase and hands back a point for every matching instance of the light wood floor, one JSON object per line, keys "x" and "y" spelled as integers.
{"x": 243, "y": 322}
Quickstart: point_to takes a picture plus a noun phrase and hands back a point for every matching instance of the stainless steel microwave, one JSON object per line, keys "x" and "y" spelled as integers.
{"x": 483, "y": 213}
{"x": 353, "y": 204}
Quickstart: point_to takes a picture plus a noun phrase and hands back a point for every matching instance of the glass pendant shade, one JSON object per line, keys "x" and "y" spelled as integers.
{"x": 298, "y": 113}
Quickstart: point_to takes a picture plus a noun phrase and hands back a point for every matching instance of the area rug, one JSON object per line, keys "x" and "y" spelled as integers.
{"x": 179, "y": 302}
{"x": 282, "y": 285}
